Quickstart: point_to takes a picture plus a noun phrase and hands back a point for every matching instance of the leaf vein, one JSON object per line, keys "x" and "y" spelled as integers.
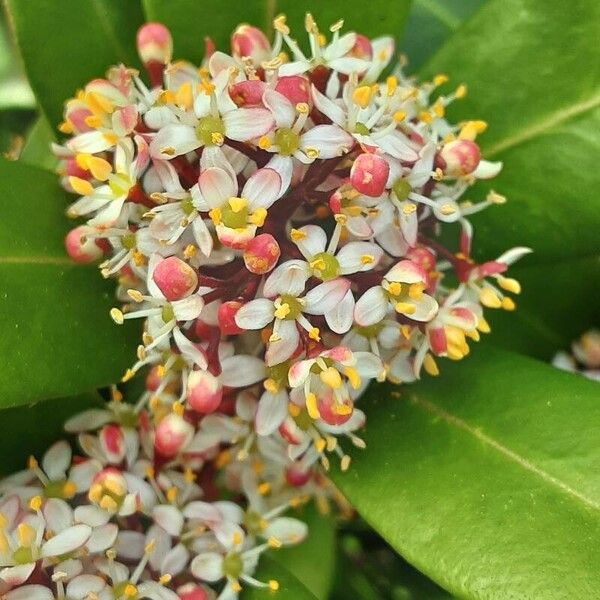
{"x": 62, "y": 261}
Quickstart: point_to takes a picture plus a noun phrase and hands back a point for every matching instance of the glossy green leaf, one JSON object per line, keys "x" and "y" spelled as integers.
{"x": 312, "y": 561}
{"x": 36, "y": 151}
{"x": 541, "y": 98}
{"x": 429, "y": 23}
{"x": 558, "y": 303}
{"x": 290, "y": 588}
{"x": 190, "y": 21}
{"x": 381, "y": 18}
{"x": 40, "y": 424}
{"x": 57, "y": 338}
{"x": 65, "y": 44}
{"x": 486, "y": 478}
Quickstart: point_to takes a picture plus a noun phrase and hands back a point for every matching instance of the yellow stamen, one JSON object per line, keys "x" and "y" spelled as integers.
{"x": 331, "y": 377}
{"x": 489, "y": 298}
{"x": 395, "y": 288}
{"x": 282, "y": 311}
{"x": 399, "y": 116}
{"x": 273, "y": 585}
{"x": 353, "y": 377}
{"x": 81, "y": 186}
{"x": 430, "y": 366}
{"x": 440, "y": 79}
{"x": 315, "y": 334}
{"x": 237, "y": 204}
{"x": 510, "y": 285}
{"x": 362, "y": 96}
{"x": 271, "y": 386}
{"x": 391, "y": 83}
{"x": 264, "y": 143}
{"x": 311, "y": 406}
{"x": 264, "y": 488}
{"x": 130, "y": 591}
{"x": 508, "y": 304}
{"x": 258, "y": 217}
{"x": 296, "y": 235}
{"x": 35, "y": 503}
{"x": 405, "y": 308}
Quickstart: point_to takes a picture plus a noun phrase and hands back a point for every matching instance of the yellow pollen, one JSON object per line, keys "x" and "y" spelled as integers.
{"x": 483, "y": 325}
{"x": 184, "y": 97}
{"x": 430, "y": 366}
{"x": 178, "y": 409}
{"x": 293, "y": 409}
{"x": 111, "y": 138}
{"x": 489, "y": 298}
{"x": 405, "y": 331}
{"x": 65, "y": 127}
{"x": 425, "y": 117}
{"x": 447, "y": 209}
{"x": 35, "y": 503}
{"x": 264, "y": 143}
{"x": 149, "y": 473}
{"x": 367, "y": 259}
{"x": 302, "y": 108}
{"x": 391, "y": 83}
{"x": 138, "y": 258}
{"x": 26, "y": 534}
{"x": 331, "y": 377}
{"x": 172, "y": 495}
{"x": 395, "y": 288}
{"x": 362, "y": 96}
{"x": 399, "y": 116}
{"x": 320, "y": 445}
{"x": 296, "y": 235}
{"x": 190, "y": 251}
{"x": 237, "y": 204}
{"x": 129, "y": 374}
{"x": 93, "y": 121}
{"x": 107, "y": 503}
{"x": 415, "y": 291}
{"x": 311, "y": 152}
{"x": 165, "y": 579}
{"x": 345, "y": 462}
{"x": 189, "y": 476}
{"x": 236, "y": 538}
{"x": 471, "y": 129}
{"x": 409, "y": 209}
{"x": 264, "y": 488}
{"x": 438, "y": 109}
{"x": 282, "y": 311}
{"x": 440, "y": 79}
{"x": 508, "y": 304}
{"x": 223, "y": 458}
{"x": 135, "y": 295}
{"x": 315, "y": 334}
{"x": 215, "y": 216}
{"x": 461, "y": 91}
{"x": 510, "y": 285}
{"x": 217, "y": 138}
{"x": 342, "y": 409}
{"x": 32, "y": 463}
{"x": 405, "y": 308}
{"x": 353, "y": 377}
{"x": 130, "y": 590}
{"x": 149, "y": 548}
{"x": 270, "y": 385}
{"x": 81, "y": 186}
{"x": 273, "y": 585}
{"x": 116, "y": 315}
{"x": 317, "y": 264}
{"x": 311, "y": 406}
{"x": 236, "y": 587}
{"x": 495, "y": 198}
{"x": 258, "y": 217}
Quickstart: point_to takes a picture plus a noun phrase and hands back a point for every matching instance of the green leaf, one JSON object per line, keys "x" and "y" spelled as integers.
{"x": 36, "y": 151}
{"x": 543, "y": 107}
{"x": 57, "y": 338}
{"x": 65, "y": 44}
{"x": 312, "y": 561}
{"x": 290, "y": 588}
{"x": 381, "y": 18}
{"x": 40, "y": 424}
{"x": 429, "y": 23}
{"x": 558, "y": 303}
{"x": 190, "y": 21}
{"x": 486, "y": 478}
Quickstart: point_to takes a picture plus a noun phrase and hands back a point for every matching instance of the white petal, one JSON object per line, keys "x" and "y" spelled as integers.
{"x": 207, "y": 566}
{"x": 82, "y": 585}
{"x": 89, "y": 142}
{"x": 282, "y": 109}
{"x": 299, "y": 372}
{"x": 188, "y": 308}
{"x": 202, "y": 236}
{"x": 340, "y": 317}
{"x": 397, "y": 145}
{"x": 58, "y": 514}
{"x": 30, "y": 592}
{"x": 426, "y": 309}
{"x": 513, "y": 255}
{"x": 188, "y": 349}
{"x": 487, "y": 169}
{"x": 169, "y": 518}
{"x": 242, "y": 370}
{"x": 350, "y": 257}
{"x": 83, "y": 474}
{"x": 371, "y": 307}
{"x": 174, "y": 140}
{"x": 217, "y": 186}
{"x": 328, "y": 107}
{"x": 57, "y": 459}
{"x": 287, "y": 530}
{"x": 329, "y": 140}
{"x": 288, "y": 278}
{"x": 102, "y": 538}
{"x": 243, "y": 124}
{"x": 315, "y": 240}
{"x": 282, "y": 349}
{"x": 284, "y": 166}
{"x": 176, "y": 560}
{"x": 66, "y": 541}
{"x": 255, "y": 314}
{"x": 88, "y": 420}
{"x": 91, "y": 515}
{"x": 325, "y": 296}
{"x": 262, "y": 188}
{"x": 14, "y": 576}
{"x": 368, "y": 364}
{"x": 272, "y": 410}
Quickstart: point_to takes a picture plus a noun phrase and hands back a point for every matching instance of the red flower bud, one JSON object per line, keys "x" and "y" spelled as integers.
{"x": 461, "y": 157}
{"x": 248, "y": 41}
{"x": 81, "y": 248}
{"x": 247, "y": 93}
{"x": 295, "y": 88}
{"x": 330, "y": 411}
{"x": 173, "y": 434}
{"x": 175, "y": 278}
{"x": 261, "y": 254}
{"x": 204, "y": 391}
{"x": 154, "y": 43}
{"x": 227, "y": 312}
{"x": 369, "y": 174}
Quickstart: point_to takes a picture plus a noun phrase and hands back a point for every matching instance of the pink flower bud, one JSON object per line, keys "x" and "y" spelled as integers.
{"x": 154, "y": 43}
{"x": 191, "y": 591}
{"x": 248, "y": 41}
{"x": 247, "y": 93}
{"x": 113, "y": 443}
{"x": 173, "y": 434}
{"x": 227, "y": 312}
{"x": 423, "y": 257}
{"x": 261, "y": 254}
{"x": 362, "y": 48}
{"x": 332, "y": 412}
{"x": 175, "y": 278}
{"x": 76, "y": 114}
{"x": 295, "y": 88}
{"x": 204, "y": 391}
{"x": 461, "y": 157}
{"x": 72, "y": 169}
{"x": 369, "y": 174}
{"x": 296, "y": 476}
{"x": 81, "y": 248}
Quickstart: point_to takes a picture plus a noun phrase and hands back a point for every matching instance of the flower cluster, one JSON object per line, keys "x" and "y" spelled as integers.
{"x": 273, "y": 217}
{"x": 584, "y": 357}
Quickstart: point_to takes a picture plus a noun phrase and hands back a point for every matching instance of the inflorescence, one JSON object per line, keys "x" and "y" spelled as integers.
{"x": 273, "y": 218}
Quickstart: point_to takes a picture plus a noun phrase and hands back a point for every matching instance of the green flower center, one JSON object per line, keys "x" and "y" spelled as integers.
{"x": 254, "y": 523}
{"x": 361, "y": 129}
{"x": 234, "y": 218}
{"x": 325, "y": 266}
{"x": 167, "y": 313}
{"x": 210, "y": 131}
{"x": 187, "y": 207}
{"x": 289, "y": 309}
{"x": 23, "y": 555}
{"x": 402, "y": 189}
{"x": 233, "y": 566}
{"x": 287, "y": 140}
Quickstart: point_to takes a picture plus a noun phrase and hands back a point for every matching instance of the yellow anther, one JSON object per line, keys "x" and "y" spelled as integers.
{"x": 223, "y": 458}
{"x": 165, "y": 579}
{"x": 280, "y": 26}
{"x": 236, "y": 538}
{"x": 447, "y": 209}
{"x": 273, "y": 585}
{"x": 405, "y": 308}
{"x": 415, "y": 291}
{"x": 171, "y": 495}
{"x": 391, "y": 83}
{"x": 81, "y": 186}
{"x": 99, "y": 168}
{"x": 342, "y": 409}
{"x": 237, "y": 204}
{"x": 409, "y": 209}
{"x": 217, "y": 138}
{"x": 395, "y": 288}
{"x": 483, "y": 325}
{"x": 293, "y": 409}
{"x": 25, "y": 534}
{"x": 93, "y": 121}
{"x": 399, "y": 116}
{"x": 32, "y": 463}
{"x": 509, "y": 284}
{"x": 149, "y": 472}
{"x": 438, "y": 109}
{"x": 184, "y": 98}
{"x": 111, "y": 138}
{"x": 190, "y": 251}
{"x": 274, "y": 337}
{"x": 331, "y": 443}
{"x": 461, "y": 91}
{"x": 318, "y": 264}
{"x": 178, "y": 408}
{"x": 35, "y": 503}
{"x": 311, "y": 406}
{"x": 138, "y": 258}
{"x": 264, "y": 488}
{"x": 242, "y": 455}
{"x": 320, "y": 445}
{"x": 189, "y": 476}
{"x": 438, "y": 174}
{"x": 440, "y": 79}
{"x": 149, "y": 547}
{"x": 425, "y": 117}
{"x": 135, "y": 295}
{"x": 362, "y": 96}
{"x": 367, "y": 259}
{"x": 405, "y": 331}
{"x": 215, "y": 216}
{"x": 315, "y": 334}
{"x": 310, "y": 24}
{"x": 270, "y": 385}
{"x": 353, "y": 377}
{"x": 65, "y": 127}
{"x": 345, "y": 462}
{"x": 430, "y": 366}
{"x": 296, "y": 235}
{"x": 264, "y": 143}
{"x": 471, "y": 129}
{"x": 117, "y": 316}
{"x": 508, "y": 303}
{"x": 258, "y": 217}
{"x": 282, "y": 311}
{"x": 130, "y": 591}
{"x": 489, "y": 298}
{"x": 473, "y": 334}
{"x": 235, "y": 587}
{"x": 331, "y": 377}
{"x": 311, "y": 152}
{"x": 495, "y": 198}
{"x": 302, "y": 108}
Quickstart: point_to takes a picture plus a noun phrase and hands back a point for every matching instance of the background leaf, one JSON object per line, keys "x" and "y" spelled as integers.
{"x": 57, "y": 337}
{"x": 542, "y": 101}
{"x": 36, "y": 151}
{"x": 429, "y": 23}
{"x": 65, "y": 44}
{"x": 485, "y": 479}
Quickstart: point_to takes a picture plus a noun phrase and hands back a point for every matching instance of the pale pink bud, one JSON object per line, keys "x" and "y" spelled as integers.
{"x": 362, "y": 48}
{"x": 248, "y": 41}
{"x": 173, "y": 434}
{"x": 296, "y": 476}
{"x": 204, "y": 391}
{"x": 295, "y": 88}
{"x": 82, "y": 249}
{"x": 423, "y": 257}
{"x": 112, "y": 442}
{"x": 261, "y": 254}
{"x": 247, "y": 93}
{"x": 175, "y": 278}
{"x": 461, "y": 157}
{"x": 226, "y": 316}
{"x": 369, "y": 174}
{"x": 191, "y": 591}
{"x": 154, "y": 43}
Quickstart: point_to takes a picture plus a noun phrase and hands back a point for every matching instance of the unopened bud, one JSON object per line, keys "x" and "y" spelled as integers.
{"x": 175, "y": 278}
{"x": 173, "y": 434}
{"x": 154, "y": 43}
{"x": 204, "y": 391}
{"x": 81, "y": 248}
{"x": 250, "y": 42}
{"x": 227, "y": 312}
{"x": 369, "y": 174}
{"x": 295, "y": 88}
{"x": 261, "y": 254}
{"x": 461, "y": 157}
